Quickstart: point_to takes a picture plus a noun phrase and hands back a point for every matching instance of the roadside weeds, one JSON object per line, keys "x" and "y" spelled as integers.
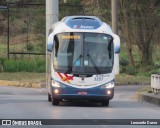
{"x": 23, "y": 84}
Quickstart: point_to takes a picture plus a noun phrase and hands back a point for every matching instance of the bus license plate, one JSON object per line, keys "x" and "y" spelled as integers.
{"x": 82, "y": 93}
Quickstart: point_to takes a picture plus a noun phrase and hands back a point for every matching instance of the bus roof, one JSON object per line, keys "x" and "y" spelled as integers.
{"x": 82, "y": 22}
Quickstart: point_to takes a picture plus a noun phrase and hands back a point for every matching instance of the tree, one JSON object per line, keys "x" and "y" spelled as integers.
{"x": 71, "y": 7}
{"x": 146, "y": 21}
{"x": 100, "y": 8}
{"x": 126, "y": 28}
{"x": 140, "y": 22}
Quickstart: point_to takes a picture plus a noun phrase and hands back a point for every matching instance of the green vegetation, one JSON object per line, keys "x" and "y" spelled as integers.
{"x": 125, "y": 79}
{"x": 138, "y": 30}
{"x": 138, "y": 69}
{"x": 3, "y": 51}
{"x": 23, "y": 77}
{"x": 24, "y": 66}
{"x": 145, "y": 89}
{"x": 122, "y": 79}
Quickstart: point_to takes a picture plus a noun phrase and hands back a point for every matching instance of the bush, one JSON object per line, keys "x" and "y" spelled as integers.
{"x": 29, "y": 47}
{"x": 1, "y": 64}
{"x": 123, "y": 63}
{"x": 131, "y": 70}
{"x": 24, "y": 30}
{"x": 2, "y": 61}
{"x": 24, "y": 66}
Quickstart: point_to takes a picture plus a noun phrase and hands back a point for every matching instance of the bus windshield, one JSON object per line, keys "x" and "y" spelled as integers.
{"x": 83, "y": 53}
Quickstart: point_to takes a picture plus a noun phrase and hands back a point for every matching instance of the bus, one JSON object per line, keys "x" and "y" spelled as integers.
{"x": 80, "y": 65}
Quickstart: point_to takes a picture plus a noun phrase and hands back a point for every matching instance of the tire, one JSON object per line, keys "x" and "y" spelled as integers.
{"x": 105, "y": 103}
{"x": 49, "y": 97}
{"x": 55, "y": 101}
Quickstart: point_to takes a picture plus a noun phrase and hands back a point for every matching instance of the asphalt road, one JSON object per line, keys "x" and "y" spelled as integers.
{"x": 28, "y": 103}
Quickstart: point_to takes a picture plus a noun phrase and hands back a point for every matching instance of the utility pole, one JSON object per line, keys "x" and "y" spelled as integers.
{"x": 52, "y": 12}
{"x": 114, "y": 13}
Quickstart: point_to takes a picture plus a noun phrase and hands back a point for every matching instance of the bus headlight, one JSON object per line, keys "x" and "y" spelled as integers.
{"x": 109, "y": 85}
{"x": 57, "y": 85}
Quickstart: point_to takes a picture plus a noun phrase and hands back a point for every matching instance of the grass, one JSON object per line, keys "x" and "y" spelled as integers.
{"x": 122, "y": 79}
{"x": 23, "y": 77}
{"x": 22, "y": 65}
{"x": 3, "y": 50}
{"x": 145, "y": 89}
{"x": 125, "y": 79}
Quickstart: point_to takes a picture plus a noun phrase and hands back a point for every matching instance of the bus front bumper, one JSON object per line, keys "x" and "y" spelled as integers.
{"x": 83, "y": 94}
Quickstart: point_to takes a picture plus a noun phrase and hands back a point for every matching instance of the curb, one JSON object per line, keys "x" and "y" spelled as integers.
{"x": 23, "y": 84}
{"x": 149, "y": 97}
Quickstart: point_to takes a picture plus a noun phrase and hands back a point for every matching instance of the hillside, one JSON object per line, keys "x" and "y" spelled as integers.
{"x": 138, "y": 29}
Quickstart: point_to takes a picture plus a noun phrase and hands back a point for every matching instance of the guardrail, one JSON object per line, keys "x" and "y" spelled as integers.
{"x": 155, "y": 83}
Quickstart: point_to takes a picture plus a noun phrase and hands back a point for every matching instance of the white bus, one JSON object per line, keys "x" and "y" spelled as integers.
{"x": 81, "y": 60}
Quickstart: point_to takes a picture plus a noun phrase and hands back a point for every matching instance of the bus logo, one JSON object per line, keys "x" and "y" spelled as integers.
{"x": 83, "y": 27}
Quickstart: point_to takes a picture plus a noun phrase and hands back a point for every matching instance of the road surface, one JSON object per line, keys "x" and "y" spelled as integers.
{"x": 28, "y": 103}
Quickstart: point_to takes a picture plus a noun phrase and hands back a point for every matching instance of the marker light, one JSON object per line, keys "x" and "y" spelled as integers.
{"x": 109, "y": 92}
{"x": 109, "y": 85}
{"x": 56, "y": 91}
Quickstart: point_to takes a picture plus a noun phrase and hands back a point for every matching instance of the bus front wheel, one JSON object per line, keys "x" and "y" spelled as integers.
{"x": 105, "y": 103}
{"x": 55, "y": 101}
{"x": 49, "y": 97}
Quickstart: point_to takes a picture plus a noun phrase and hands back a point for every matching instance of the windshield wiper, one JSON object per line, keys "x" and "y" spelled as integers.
{"x": 95, "y": 66}
{"x": 70, "y": 67}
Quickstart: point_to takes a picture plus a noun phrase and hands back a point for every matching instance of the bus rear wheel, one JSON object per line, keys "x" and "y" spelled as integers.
{"x": 105, "y": 103}
{"x": 55, "y": 101}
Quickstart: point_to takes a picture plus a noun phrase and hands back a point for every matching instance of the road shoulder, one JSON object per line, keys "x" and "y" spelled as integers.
{"x": 149, "y": 97}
